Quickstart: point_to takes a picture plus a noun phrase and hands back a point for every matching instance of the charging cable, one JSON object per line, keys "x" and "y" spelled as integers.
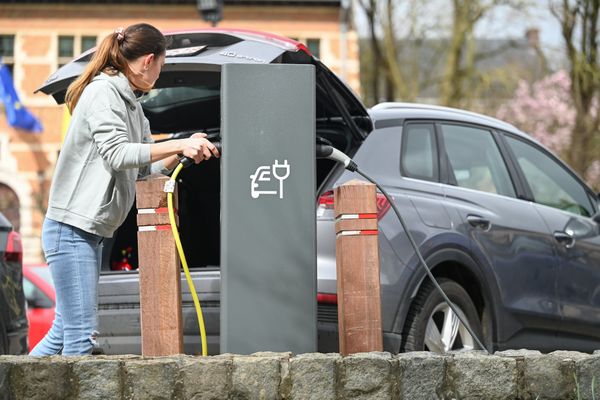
{"x": 322, "y": 151}
{"x": 331, "y": 153}
{"x": 170, "y": 188}
{"x": 186, "y": 270}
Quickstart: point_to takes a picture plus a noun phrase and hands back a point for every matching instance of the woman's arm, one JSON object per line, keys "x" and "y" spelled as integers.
{"x": 110, "y": 134}
{"x": 197, "y": 147}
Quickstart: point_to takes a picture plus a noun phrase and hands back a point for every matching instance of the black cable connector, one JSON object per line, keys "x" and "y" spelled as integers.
{"x": 331, "y": 153}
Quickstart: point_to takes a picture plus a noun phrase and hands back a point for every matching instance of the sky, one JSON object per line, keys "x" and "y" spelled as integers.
{"x": 504, "y": 22}
{"x": 509, "y": 23}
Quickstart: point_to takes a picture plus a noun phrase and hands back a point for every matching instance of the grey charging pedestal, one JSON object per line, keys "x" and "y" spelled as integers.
{"x": 268, "y": 245}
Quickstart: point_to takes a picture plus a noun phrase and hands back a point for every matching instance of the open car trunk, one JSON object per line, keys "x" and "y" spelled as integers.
{"x": 187, "y": 99}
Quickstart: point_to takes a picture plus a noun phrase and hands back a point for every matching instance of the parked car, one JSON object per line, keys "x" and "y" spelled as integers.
{"x": 13, "y": 318}
{"x": 41, "y": 301}
{"x": 506, "y": 227}
{"x": 510, "y": 232}
{"x": 189, "y": 82}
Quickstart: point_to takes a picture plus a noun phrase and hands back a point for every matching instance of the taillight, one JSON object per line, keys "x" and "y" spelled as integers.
{"x": 303, "y": 48}
{"x": 326, "y": 202}
{"x": 14, "y": 248}
{"x": 383, "y": 205}
{"x": 326, "y": 298}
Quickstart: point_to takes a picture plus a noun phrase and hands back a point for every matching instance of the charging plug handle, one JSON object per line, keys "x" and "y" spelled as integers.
{"x": 331, "y": 153}
{"x": 186, "y": 161}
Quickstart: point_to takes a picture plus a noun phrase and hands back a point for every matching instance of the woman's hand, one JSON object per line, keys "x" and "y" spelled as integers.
{"x": 198, "y": 148}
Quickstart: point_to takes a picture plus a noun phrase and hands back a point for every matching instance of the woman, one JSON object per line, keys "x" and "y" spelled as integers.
{"x": 107, "y": 147}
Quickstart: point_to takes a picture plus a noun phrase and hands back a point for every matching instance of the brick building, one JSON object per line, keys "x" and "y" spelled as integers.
{"x": 36, "y": 37}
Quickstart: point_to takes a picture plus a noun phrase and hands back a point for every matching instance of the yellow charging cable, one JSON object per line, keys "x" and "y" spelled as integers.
{"x": 188, "y": 277}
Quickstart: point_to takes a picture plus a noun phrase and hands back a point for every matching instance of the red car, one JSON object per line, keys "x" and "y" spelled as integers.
{"x": 41, "y": 300}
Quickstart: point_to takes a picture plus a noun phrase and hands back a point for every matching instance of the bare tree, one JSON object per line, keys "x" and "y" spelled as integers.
{"x": 386, "y": 78}
{"x": 375, "y": 63}
{"x": 406, "y": 59}
{"x": 462, "y": 56}
{"x": 579, "y": 24}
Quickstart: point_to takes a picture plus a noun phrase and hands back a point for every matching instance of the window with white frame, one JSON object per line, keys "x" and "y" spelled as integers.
{"x": 7, "y": 51}
{"x": 70, "y": 46}
{"x": 312, "y": 44}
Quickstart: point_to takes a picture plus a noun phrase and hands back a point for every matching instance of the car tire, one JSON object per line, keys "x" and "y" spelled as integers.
{"x": 432, "y": 326}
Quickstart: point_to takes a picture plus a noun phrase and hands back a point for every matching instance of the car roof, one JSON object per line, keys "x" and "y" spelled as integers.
{"x": 390, "y": 111}
{"x": 178, "y": 38}
{"x": 208, "y": 49}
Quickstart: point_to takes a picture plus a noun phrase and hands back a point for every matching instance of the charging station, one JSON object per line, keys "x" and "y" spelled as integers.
{"x": 268, "y": 227}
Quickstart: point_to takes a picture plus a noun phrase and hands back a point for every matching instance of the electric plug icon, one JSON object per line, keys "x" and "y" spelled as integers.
{"x": 281, "y": 172}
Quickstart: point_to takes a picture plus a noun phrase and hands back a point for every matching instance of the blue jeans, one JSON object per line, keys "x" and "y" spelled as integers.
{"x": 74, "y": 258}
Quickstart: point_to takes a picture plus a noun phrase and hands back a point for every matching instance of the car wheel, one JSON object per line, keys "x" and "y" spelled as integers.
{"x": 432, "y": 326}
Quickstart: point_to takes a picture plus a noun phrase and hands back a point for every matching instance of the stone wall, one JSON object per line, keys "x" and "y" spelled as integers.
{"x": 474, "y": 375}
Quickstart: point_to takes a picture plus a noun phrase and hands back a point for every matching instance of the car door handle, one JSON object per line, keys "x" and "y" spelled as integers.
{"x": 564, "y": 238}
{"x": 479, "y": 222}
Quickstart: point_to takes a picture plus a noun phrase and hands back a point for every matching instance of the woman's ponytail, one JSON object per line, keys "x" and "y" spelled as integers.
{"x": 113, "y": 54}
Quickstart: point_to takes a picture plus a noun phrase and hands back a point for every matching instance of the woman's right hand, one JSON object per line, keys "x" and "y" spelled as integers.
{"x": 199, "y": 148}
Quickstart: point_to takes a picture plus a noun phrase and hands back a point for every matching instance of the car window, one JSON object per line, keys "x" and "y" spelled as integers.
{"x": 34, "y": 295}
{"x": 163, "y": 98}
{"x": 419, "y": 152}
{"x": 475, "y": 160}
{"x": 183, "y": 101}
{"x": 550, "y": 183}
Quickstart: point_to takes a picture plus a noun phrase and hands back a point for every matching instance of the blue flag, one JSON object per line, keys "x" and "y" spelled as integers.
{"x": 16, "y": 113}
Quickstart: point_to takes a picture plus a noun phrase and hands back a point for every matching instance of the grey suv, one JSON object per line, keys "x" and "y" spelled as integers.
{"x": 505, "y": 226}
{"x": 508, "y": 230}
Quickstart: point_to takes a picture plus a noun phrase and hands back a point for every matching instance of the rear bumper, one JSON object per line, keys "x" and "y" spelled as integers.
{"x": 120, "y": 331}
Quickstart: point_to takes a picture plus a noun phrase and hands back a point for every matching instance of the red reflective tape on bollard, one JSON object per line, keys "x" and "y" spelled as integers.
{"x": 345, "y": 217}
{"x": 357, "y": 233}
{"x": 367, "y": 216}
{"x": 160, "y": 210}
{"x": 152, "y": 228}
{"x": 369, "y": 232}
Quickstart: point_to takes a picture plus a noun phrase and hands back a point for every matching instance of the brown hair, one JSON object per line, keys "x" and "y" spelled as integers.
{"x": 113, "y": 54}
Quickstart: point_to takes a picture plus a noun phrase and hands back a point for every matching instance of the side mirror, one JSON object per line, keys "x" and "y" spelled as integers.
{"x": 579, "y": 228}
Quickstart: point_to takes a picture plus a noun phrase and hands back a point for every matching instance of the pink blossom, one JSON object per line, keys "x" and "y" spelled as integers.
{"x": 544, "y": 110}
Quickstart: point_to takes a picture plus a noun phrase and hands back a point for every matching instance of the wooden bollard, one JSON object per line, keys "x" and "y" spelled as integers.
{"x": 357, "y": 259}
{"x": 160, "y": 278}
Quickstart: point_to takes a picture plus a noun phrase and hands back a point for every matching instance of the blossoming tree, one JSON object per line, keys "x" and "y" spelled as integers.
{"x": 545, "y": 110}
